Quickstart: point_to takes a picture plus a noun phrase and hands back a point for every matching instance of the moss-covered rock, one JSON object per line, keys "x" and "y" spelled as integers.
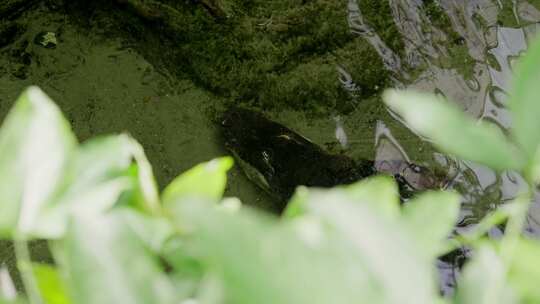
{"x": 506, "y": 16}
{"x": 536, "y": 3}
{"x": 458, "y": 54}
{"x": 378, "y": 15}
{"x": 269, "y": 54}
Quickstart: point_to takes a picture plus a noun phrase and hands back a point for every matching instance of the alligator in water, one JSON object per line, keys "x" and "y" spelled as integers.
{"x": 279, "y": 159}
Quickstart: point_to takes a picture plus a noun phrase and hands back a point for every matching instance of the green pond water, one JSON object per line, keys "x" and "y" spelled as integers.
{"x": 163, "y": 71}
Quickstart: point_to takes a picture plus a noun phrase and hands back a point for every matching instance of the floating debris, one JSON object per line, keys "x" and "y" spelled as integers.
{"x": 340, "y": 134}
{"x": 46, "y": 39}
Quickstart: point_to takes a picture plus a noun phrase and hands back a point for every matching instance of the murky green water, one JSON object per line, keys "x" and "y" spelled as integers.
{"x": 165, "y": 79}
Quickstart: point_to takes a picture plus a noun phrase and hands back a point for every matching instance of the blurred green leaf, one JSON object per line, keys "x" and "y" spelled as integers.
{"x": 533, "y": 173}
{"x": 153, "y": 231}
{"x": 484, "y": 280}
{"x": 50, "y": 284}
{"x": 7, "y": 288}
{"x": 524, "y": 272}
{"x": 146, "y": 179}
{"x": 35, "y": 145}
{"x": 525, "y": 101}
{"x": 107, "y": 262}
{"x": 183, "y": 256}
{"x": 452, "y": 131}
{"x": 431, "y": 217}
{"x": 256, "y": 260}
{"x": 341, "y": 251}
{"x": 297, "y": 205}
{"x": 379, "y": 192}
{"x": 14, "y": 301}
{"x": 186, "y": 262}
{"x": 95, "y": 179}
{"x": 97, "y": 160}
{"x": 376, "y": 239}
{"x": 205, "y": 181}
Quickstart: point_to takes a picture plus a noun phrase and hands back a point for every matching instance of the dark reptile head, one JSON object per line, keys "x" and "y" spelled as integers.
{"x": 279, "y": 159}
{"x": 243, "y": 133}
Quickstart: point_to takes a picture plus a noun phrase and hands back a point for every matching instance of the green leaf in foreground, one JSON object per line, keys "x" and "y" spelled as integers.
{"x": 152, "y": 231}
{"x": 107, "y": 262}
{"x": 484, "y": 280}
{"x": 376, "y": 240}
{"x": 524, "y": 272}
{"x": 340, "y": 251}
{"x": 452, "y": 131}
{"x": 206, "y": 181}
{"x": 256, "y": 260}
{"x": 525, "y": 101}
{"x": 378, "y": 192}
{"x": 297, "y": 205}
{"x": 431, "y": 218}
{"x": 145, "y": 177}
{"x": 15, "y": 301}
{"x": 95, "y": 178}
{"x": 35, "y": 144}
{"x": 51, "y": 286}
{"x": 7, "y": 287}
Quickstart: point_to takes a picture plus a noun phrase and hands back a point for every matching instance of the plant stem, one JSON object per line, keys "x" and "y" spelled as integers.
{"x": 24, "y": 264}
{"x": 499, "y": 216}
{"x": 514, "y": 228}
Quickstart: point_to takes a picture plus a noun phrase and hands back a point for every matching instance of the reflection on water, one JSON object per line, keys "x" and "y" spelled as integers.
{"x": 492, "y": 50}
{"x": 466, "y": 54}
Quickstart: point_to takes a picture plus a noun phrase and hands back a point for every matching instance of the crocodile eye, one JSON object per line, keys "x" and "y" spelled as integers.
{"x": 415, "y": 168}
{"x": 284, "y": 136}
